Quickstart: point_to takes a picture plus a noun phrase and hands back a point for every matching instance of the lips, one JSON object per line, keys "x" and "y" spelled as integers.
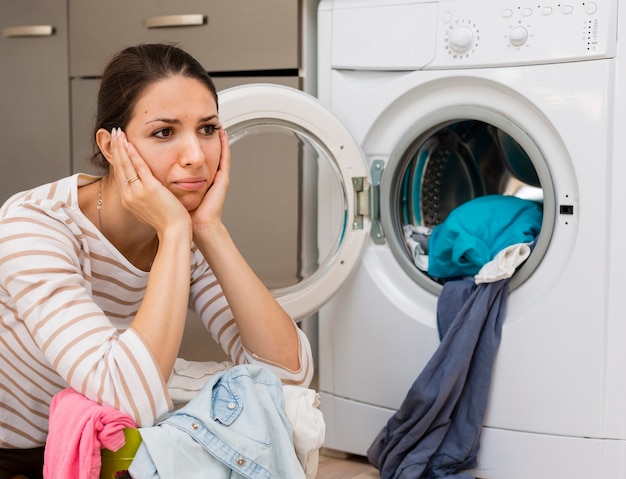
{"x": 191, "y": 183}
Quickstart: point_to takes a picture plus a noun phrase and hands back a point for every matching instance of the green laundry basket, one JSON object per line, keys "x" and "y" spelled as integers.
{"x": 115, "y": 464}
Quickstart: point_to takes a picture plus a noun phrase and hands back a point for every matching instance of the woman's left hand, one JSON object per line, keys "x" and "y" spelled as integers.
{"x": 264, "y": 327}
{"x": 209, "y": 212}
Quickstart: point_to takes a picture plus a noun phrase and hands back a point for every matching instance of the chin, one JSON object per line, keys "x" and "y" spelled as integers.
{"x": 190, "y": 202}
{"x": 191, "y": 205}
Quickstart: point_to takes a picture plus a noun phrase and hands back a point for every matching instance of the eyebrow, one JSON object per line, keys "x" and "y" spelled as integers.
{"x": 174, "y": 121}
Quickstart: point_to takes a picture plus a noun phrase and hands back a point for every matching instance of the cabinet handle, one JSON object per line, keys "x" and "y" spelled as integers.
{"x": 28, "y": 31}
{"x": 166, "y": 21}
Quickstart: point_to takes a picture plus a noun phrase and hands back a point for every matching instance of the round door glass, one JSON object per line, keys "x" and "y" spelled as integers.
{"x": 279, "y": 172}
{"x": 449, "y": 165}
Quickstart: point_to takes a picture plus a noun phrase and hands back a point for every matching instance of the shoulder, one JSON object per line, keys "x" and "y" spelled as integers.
{"x": 49, "y": 210}
{"x": 60, "y": 191}
{"x": 58, "y": 198}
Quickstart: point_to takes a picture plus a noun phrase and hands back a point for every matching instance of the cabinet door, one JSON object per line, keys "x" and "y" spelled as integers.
{"x": 34, "y": 104}
{"x": 231, "y": 35}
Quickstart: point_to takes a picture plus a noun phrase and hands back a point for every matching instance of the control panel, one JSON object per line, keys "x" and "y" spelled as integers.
{"x": 410, "y": 35}
{"x": 474, "y": 34}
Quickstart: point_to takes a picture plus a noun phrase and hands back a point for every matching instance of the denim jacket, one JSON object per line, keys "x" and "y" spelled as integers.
{"x": 235, "y": 427}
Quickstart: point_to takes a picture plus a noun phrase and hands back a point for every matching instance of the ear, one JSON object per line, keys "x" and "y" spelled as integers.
{"x": 103, "y": 140}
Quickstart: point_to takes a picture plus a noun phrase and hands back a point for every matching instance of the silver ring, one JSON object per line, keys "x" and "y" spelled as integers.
{"x": 130, "y": 180}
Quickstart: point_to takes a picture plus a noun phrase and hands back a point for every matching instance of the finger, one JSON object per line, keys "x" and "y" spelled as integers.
{"x": 225, "y": 153}
{"x": 126, "y": 170}
{"x": 140, "y": 167}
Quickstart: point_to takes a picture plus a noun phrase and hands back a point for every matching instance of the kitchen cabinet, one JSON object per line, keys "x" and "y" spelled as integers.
{"x": 34, "y": 104}
{"x": 225, "y": 36}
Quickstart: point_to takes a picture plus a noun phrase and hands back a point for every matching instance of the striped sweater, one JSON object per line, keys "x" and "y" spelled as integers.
{"x": 67, "y": 298}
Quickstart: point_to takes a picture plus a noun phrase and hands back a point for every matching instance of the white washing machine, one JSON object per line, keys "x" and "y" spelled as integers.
{"x": 423, "y": 106}
{"x": 400, "y": 73}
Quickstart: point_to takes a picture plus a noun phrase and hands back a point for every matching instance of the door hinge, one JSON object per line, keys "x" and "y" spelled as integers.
{"x": 367, "y": 201}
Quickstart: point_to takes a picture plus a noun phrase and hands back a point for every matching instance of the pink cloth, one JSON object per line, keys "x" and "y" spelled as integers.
{"x": 78, "y": 429}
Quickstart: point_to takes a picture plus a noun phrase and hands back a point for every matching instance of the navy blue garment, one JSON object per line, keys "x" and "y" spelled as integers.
{"x": 436, "y": 431}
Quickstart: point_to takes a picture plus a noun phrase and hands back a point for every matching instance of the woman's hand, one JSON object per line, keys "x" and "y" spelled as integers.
{"x": 209, "y": 212}
{"x": 140, "y": 192}
{"x": 161, "y": 317}
{"x": 264, "y": 327}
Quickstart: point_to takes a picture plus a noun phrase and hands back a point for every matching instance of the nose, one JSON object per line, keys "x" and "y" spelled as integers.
{"x": 192, "y": 153}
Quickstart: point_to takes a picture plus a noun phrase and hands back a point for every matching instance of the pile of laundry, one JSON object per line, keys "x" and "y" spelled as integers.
{"x": 230, "y": 421}
{"x": 436, "y": 431}
{"x": 487, "y": 237}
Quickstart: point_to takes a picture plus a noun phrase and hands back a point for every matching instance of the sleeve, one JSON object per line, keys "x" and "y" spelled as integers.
{"x": 209, "y": 302}
{"x": 44, "y": 272}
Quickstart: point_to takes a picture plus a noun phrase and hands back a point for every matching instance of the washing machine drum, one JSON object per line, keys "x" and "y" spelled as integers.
{"x": 460, "y": 162}
{"x": 451, "y": 166}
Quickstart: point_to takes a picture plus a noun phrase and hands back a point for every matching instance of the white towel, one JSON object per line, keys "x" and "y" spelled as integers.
{"x": 307, "y": 421}
{"x": 504, "y": 264}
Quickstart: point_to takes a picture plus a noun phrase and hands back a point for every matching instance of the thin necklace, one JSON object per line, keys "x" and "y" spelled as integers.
{"x": 99, "y": 205}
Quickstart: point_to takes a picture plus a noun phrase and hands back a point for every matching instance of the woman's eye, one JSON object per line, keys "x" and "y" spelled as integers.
{"x": 164, "y": 133}
{"x": 208, "y": 129}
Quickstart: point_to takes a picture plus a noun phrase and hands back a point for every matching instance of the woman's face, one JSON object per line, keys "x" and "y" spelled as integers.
{"x": 174, "y": 129}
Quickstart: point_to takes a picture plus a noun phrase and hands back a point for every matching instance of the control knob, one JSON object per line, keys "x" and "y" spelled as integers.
{"x": 518, "y": 36}
{"x": 461, "y": 39}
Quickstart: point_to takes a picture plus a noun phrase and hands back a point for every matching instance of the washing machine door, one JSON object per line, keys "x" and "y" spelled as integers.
{"x": 298, "y": 193}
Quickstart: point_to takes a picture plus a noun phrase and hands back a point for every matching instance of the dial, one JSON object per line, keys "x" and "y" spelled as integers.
{"x": 518, "y": 36}
{"x": 461, "y": 39}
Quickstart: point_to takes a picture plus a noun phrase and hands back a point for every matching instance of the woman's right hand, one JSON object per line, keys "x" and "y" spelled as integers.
{"x": 161, "y": 318}
{"x": 140, "y": 192}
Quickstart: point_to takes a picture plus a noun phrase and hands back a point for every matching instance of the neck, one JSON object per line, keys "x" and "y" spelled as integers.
{"x": 136, "y": 241}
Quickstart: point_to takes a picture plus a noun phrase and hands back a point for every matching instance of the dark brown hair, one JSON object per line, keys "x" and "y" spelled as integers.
{"x": 127, "y": 76}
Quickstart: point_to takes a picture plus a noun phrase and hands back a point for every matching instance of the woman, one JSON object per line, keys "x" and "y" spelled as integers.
{"x": 96, "y": 274}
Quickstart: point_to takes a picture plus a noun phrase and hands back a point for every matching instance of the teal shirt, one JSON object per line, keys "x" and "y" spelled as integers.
{"x": 475, "y": 232}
